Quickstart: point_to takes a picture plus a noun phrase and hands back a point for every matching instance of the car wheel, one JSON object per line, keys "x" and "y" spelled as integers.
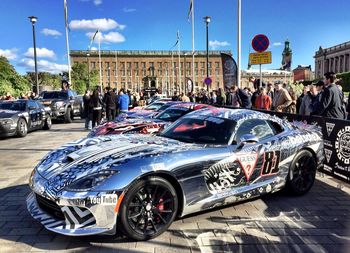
{"x": 148, "y": 209}
{"x": 302, "y": 173}
{"x": 22, "y": 128}
{"x": 48, "y": 123}
{"x": 68, "y": 116}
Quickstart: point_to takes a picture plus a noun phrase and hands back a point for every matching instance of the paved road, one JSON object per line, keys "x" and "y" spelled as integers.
{"x": 317, "y": 222}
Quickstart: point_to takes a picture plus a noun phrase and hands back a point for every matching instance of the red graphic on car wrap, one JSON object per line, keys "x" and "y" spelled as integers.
{"x": 248, "y": 163}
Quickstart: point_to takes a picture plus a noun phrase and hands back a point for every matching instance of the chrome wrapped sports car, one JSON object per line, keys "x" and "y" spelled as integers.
{"x": 19, "y": 117}
{"x": 147, "y": 126}
{"x": 139, "y": 183}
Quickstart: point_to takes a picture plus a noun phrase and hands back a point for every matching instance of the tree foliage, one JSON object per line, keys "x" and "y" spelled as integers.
{"x": 10, "y": 80}
{"x": 346, "y": 80}
{"x": 45, "y": 79}
{"x": 81, "y": 77}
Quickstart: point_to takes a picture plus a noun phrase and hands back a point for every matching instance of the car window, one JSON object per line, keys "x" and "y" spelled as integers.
{"x": 13, "y": 105}
{"x": 33, "y": 105}
{"x": 208, "y": 130}
{"x": 172, "y": 114}
{"x": 55, "y": 95}
{"x": 277, "y": 128}
{"x": 259, "y": 128}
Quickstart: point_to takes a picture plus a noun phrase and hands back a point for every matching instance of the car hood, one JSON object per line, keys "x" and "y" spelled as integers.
{"x": 90, "y": 155}
{"x": 50, "y": 101}
{"x": 8, "y": 113}
{"x": 127, "y": 125}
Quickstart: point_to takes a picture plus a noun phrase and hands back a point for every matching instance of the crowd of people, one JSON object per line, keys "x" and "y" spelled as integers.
{"x": 29, "y": 95}
{"x": 323, "y": 98}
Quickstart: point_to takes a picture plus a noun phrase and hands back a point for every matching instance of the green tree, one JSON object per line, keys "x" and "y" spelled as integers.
{"x": 45, "y": 79}
{"x": 81, "y": 77}
{"x": 10, "y": 80}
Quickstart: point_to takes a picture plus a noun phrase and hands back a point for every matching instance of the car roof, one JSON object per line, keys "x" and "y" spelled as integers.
{"x": 234, "y": 114}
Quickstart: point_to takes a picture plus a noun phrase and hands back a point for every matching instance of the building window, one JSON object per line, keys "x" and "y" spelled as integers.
{"x": 143, "y": 65}
{"x": 217, "y": 64}
{"x": 202, "y": 64}
{"x": 203, "y": 72}
{"x": 136, "y": 64}
{"x": 196, "y": 65}
{"x": 217, "y": 71}
{"x": 93, "y": 65}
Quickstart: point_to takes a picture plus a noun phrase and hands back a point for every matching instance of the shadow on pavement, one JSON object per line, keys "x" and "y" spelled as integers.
{"x": 316, "y": 222}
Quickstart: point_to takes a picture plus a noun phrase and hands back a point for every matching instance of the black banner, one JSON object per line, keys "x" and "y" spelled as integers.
{"x": 229, "y": 70}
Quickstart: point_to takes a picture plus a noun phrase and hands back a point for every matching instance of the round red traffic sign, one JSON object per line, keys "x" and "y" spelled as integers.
{"x": 260, "y": 43}
{"x": 207, "y": 81}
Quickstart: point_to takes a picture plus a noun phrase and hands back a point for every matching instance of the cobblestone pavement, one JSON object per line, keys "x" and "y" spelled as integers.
{"x": 316, "y": 222}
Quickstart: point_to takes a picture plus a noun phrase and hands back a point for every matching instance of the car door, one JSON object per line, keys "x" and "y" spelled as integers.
{"x": 34, "y": 115}
{"x": 257, "y": 160}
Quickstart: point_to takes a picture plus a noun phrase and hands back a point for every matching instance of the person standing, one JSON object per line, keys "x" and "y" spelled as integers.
{"x": 86, "y": 103}
{"x": 96, "y": 108}
{"x": 331, "y": 104}
{"x": 123, "y": 101}
{"x": 238, "y": 98}
{"x": 281, "y": 99}
{"x": 307, "y": 99}
{"x": 109, "y": 100}
{"x": 263, "y": 101}
{"x": 306, "y": 91}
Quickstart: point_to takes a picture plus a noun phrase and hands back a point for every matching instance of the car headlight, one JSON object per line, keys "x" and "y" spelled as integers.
{"x": 91, "y": 181}
{"x": 59, "y": 104}
{"x": 6, "y": 121}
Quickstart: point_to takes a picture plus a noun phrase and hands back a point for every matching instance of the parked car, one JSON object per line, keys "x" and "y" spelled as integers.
{"x": 19, "y": 117}
{"x": 147, "y": 125}
{"x": 64, "y": 105}
{"x": 138, "y": 184}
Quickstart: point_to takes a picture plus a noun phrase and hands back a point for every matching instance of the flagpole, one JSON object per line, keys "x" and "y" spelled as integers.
{"x": 99, "y": 58}
{"x": 67, "y": 41}
{"x": 173, "y": 71}
{"x": 239, "y": 45}
{"x": 178, "y": 46}
{"x": 193, "y": 74}
{"x": 116, "y": 68}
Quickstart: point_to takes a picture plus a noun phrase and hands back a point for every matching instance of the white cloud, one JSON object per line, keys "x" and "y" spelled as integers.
{"x": 97, "y": 2}
{"x": 277, "y": 44}
{"x": 50, "y": 32}
{"x": 93, "y": 48}
{"x": 10, "y": 54}
{"x": 40, "y": 53}
{"x": 43, "y": 66}
{"x": 215, "y": 44}
{"x": 111, "y": 37}
{"x": 129, "y": 9}
{"x": 101, "y": 24}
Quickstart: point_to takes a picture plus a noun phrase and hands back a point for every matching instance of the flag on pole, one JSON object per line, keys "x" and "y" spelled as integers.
{"x": 177, "y": 39}
{"x": 66, "y": 14}
{"x": 190, "y": 10}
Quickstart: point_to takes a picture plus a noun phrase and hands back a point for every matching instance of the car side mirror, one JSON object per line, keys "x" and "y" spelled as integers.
{"x": 71, "y": 98}
{"x": 247, "y": 138}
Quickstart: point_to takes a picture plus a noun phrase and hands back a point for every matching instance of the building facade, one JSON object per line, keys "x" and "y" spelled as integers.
{"x": 335, "y": 59}
{"x": 268, "y": 76}
{"x": 162, "y": 70}
{"x": 303, "y": 73}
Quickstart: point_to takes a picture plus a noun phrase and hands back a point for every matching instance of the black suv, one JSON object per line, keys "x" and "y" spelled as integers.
{"x": 64, "y": 104}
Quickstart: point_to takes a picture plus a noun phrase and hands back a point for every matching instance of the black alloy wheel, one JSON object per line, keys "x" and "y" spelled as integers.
{"x": 22, "y": 128}
{"x": 302, "y": 173}
{"x": 148, "y": 208}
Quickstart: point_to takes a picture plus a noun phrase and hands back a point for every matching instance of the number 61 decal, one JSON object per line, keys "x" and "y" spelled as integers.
{"x": 270, "y": 165}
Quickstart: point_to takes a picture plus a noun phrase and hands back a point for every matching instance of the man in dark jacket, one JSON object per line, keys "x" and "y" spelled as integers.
{"x": 109, "y": 100}
{"x": 331, "y": 104}
{"x": 238, "y": 98}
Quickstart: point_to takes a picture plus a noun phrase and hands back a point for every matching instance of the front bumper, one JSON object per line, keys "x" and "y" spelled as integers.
{"x": 58, "y": 112}
{"x": 8, "y": 130}
{"x": 75, "y": 214}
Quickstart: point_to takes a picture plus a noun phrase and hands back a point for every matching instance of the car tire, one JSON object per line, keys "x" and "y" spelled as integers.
{"x": 301, "y": 174}
{"x": 48, "y": 123}
{"x": 22, "y": 128}
{"x": 148, "y": 208}
{"x": 68, "y": 117}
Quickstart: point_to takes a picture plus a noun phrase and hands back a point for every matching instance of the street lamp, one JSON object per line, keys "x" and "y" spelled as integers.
{"x": 33, "y": 20}
{"x": 88, "y": 63}
{"x": 207, "y": 21}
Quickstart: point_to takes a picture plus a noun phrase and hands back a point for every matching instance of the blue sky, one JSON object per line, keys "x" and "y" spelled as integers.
{"x": 152, "y": 25}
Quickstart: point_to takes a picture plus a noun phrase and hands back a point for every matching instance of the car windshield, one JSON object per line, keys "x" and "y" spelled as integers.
{"x": 172, "y": 114}
{"x": 208, "y": 130}
{"x": 55, "y": 95}
{"x": 165, "y": 106}
{"x": 154, "y": 106}
{"x": 13, "y": 106}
